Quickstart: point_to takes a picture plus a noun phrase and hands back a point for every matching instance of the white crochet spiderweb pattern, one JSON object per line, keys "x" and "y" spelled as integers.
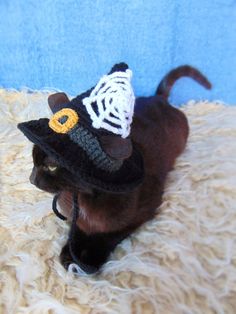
{"x": 111, "y": 103}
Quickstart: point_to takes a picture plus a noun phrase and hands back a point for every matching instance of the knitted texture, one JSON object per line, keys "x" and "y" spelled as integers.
{"x": 91, "y": 145}
{"x": 111, "y": 103}
{"x": 74, "y": 158}
{"x": 66, "y": 121}
{"x": 71, "y": 137}
{"x": 63, "y": 120}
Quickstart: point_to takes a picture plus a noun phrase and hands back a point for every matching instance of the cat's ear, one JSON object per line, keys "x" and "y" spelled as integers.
{"x": 56, "y": 101}
{"x": 116, "y": 147}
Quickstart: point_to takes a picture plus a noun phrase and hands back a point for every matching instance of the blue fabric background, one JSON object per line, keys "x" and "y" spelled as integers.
{"x": 69, "y": 44}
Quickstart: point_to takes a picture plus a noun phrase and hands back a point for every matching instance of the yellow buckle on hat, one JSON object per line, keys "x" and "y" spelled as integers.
{"x": 58, "y": 126}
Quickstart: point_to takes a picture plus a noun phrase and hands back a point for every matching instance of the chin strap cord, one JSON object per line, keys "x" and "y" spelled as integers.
{"x": 75, "y": 209}
{"x": 73, "y": 236}
{"x": 54, "y": 207}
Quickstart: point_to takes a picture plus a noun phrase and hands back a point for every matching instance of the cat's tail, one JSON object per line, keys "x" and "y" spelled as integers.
{"x": 168, "y": 81}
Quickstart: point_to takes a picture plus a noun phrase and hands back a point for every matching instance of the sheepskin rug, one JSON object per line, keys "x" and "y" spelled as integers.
{"x": 184, "y": 261}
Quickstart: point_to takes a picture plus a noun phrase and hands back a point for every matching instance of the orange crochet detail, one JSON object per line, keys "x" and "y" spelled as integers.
{"x": 59, "y": 127}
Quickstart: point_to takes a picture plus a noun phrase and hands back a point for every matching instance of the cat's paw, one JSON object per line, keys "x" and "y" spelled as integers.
{"x": 80, "y": 258}
{"x": 65, "y": 257}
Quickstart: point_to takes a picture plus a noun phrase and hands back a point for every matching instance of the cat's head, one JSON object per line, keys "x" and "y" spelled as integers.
{"x": 49, "y": 176}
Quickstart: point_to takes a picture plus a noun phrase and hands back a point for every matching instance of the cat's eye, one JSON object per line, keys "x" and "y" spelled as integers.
{"x": 52, "y": 168}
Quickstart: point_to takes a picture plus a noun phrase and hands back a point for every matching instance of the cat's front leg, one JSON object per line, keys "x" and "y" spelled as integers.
{"x": 90, "y": 252}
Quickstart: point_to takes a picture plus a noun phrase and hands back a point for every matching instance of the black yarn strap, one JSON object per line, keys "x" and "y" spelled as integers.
{"x": 54, "y": 208}
{"x": 75, "y": 208}
{"x": 74, "y": 216}
{"x": 74, "y": 234}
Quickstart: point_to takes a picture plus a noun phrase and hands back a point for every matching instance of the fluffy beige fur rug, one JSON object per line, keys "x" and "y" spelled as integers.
{"x": 184, "y": 261}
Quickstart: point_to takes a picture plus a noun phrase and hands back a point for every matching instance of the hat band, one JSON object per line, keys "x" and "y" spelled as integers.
{"x": 90, "y": 144}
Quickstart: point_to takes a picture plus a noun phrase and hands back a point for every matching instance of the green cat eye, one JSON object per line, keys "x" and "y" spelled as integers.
{"x": 52, "y": 168}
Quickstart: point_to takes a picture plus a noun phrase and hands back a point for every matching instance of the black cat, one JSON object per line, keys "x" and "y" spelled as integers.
{"x": 159, "y": 131}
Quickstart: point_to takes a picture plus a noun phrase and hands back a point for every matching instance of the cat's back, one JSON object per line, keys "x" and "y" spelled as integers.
{"x": 160, "y": 131}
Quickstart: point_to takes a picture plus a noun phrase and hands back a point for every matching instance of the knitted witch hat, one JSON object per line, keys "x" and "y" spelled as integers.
{"x": 89, "y": 135}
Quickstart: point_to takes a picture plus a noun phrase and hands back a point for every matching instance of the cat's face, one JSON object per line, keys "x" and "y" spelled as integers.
{"x": 48, "y": 176}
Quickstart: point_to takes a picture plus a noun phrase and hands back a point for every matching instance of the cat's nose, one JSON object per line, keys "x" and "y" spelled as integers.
{"x": 32, "y": 177}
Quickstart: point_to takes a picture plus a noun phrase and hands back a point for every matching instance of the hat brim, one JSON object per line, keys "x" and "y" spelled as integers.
{"x": 72, "y": 157}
